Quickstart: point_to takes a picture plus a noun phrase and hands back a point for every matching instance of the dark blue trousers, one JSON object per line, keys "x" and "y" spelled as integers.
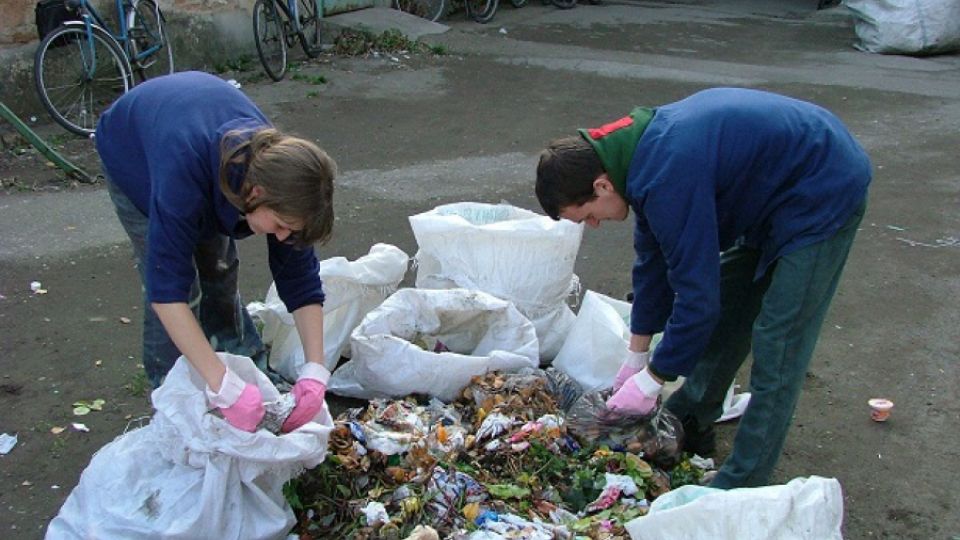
{"x": 778, "y": 319}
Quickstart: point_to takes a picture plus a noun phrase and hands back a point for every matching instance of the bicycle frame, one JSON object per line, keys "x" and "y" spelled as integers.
{"x": 88, "y": 12}
{"x": 290, "y": 9}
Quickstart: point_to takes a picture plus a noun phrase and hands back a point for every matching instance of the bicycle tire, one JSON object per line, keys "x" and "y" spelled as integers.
{"x": 481, "y": 11}
{"x": 430, "y": 10}
{"x": 74, "y": 98}
{"x": 309, "y": 27}
{"x": 146, "y": 28}
{"x": 269, "y": 36}
{"x": 564, "y": 4}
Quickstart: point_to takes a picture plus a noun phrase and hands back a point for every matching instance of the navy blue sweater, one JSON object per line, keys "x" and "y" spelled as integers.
{"x": 160, "y": 144}
{"x": 720, "y": 167}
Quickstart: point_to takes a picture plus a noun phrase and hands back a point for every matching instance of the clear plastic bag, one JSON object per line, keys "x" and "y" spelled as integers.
{"x": 658, "y": 436}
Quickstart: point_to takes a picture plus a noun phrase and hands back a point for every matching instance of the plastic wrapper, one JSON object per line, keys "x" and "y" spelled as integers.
{"x": 277, "y": 412}
{"x": 565, "y": 389}
{"x": 657, "y": 436}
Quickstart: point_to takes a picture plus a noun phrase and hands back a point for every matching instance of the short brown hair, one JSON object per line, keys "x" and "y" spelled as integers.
{"x": 565, "y": 174}
{"x": 297, "y": 177}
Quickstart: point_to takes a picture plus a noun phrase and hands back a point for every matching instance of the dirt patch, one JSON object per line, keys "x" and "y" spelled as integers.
{"x": 25, "y": 169}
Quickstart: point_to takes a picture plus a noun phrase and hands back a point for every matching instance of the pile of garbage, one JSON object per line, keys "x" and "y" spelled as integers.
{"x": 516, "y": 455}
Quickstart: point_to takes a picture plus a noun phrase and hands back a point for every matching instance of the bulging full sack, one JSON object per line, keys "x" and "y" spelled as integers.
{"x": 352, "y": 289}
{"x": 432, "y": 342}
{"x": 509, "y": 252}
{"x": 189, "y": 474}
{"x": 915, "y": 27}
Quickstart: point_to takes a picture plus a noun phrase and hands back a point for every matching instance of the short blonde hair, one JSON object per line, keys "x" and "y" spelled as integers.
{"x": 295, "y": 174}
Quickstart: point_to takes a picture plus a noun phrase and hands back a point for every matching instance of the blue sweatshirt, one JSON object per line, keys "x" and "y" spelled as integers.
{"x": 721, "y": 167}
{"x": 160, "y": 144}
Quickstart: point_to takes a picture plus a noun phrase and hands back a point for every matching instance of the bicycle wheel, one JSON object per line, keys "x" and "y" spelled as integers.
{"x": 150, "y": 52}
{"x": 309, "y": 26}
{"x": 564, "y": 4}
{"x": 268, "y": 33}
{"x": 78, "y": 77}
{"x": 518, "y": 3}
{"x": 430, "y": 10}
{"x": 481, "y": 11}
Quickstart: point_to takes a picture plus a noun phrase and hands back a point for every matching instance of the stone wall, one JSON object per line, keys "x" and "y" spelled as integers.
{"x": 18, "y": 25}
{"x": 205, "y": 34}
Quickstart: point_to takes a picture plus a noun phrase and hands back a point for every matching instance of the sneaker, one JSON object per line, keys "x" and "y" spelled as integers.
{"x": 701, "y": 441}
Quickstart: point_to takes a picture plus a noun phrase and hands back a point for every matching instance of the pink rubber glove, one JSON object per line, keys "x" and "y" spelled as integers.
{"x": 309, "y": 391}
{"x": 637, "y": 396}
{"x": 240, "y": 402}
{"x": 632, "y": 364}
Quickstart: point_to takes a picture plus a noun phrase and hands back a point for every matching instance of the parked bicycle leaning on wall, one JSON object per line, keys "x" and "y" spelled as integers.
{"x": 82, "y": 65}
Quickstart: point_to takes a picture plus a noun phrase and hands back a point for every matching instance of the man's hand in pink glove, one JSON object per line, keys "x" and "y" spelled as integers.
{"x": 309, "y": 391}
{"x": 638, "y": 394}
{"x": 632, "y": 364}
{"x": 239, "y": 401}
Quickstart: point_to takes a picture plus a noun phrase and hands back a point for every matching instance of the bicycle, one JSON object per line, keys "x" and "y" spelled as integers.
{"x": 81, "y": 67}
{"x": 430, "y": 10}
{"x": 482, "y": 11}
{"x": 278, "y": 24}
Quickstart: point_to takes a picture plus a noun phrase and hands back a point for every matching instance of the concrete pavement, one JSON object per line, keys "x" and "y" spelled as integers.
{"x": 411, "y": 132}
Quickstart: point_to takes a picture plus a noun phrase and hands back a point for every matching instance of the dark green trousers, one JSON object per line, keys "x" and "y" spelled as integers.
{"x": 779, "y": 318}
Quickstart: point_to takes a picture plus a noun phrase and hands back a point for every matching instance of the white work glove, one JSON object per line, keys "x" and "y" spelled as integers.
{"x": 240, "y": 402}
{"x": 632, "y": 364}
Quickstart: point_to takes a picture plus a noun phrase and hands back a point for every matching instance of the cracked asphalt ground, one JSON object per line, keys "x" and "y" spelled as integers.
{"x": 413, "y": 132}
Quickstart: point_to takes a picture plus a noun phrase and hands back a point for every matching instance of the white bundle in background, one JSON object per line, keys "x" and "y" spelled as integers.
{"x": 432, "y": 342}
{"x": 189, "y": 474}
{"x": 509, "y": 252}
{"x": 917, "y": 27}
{"x": 352, "y": 289}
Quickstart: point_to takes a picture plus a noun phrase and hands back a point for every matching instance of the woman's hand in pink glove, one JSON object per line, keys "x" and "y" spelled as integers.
{"x": 632, "y": 364}
{"x": 309, "y": 392}
{"x": 637, "y": 396}
{"x": 240, "y": 402}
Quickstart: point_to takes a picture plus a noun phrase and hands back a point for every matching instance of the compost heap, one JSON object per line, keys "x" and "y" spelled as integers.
{"x": 519, "y": 455}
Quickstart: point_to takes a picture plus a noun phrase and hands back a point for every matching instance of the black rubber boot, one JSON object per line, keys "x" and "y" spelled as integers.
{"x": 701, "y": 441}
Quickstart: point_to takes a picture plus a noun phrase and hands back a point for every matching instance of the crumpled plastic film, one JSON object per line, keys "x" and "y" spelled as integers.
{"x": 277, "y": 412}
{"x": 564, "y": 388}
{"x": 657, "y": 436}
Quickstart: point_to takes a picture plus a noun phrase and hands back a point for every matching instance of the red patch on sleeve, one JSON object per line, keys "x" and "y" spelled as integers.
{"x": 606, "y": 129}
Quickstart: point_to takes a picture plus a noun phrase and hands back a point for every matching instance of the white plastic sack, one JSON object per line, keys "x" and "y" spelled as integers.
{"x": 803, "y": 509}
{"x": 906, "y": 26}
{"x": 509, "y": 252}
{"x": 597, "y": 342}
{"x": 189, "y": 474}
{"x": 482, "y": 333}
{"x": 352, "y": 290}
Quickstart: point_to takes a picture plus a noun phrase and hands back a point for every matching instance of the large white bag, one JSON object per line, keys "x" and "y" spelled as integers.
{"x": 352, "y": 290}
{"x": 482, "y": 333}
{"x": 803, "y": 509}
{"x": 597, "y": 342}
{"x": 509, "y": 252}
{"x": 188, "y": 474}
{"x": 906, "y": 26}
